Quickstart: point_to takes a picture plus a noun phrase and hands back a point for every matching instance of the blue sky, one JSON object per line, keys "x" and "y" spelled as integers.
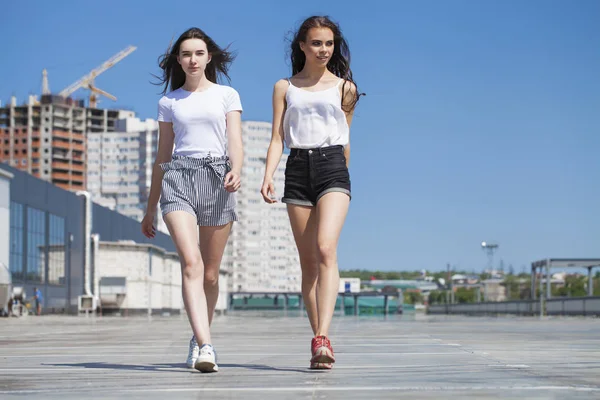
{"x": 481, "y": 120}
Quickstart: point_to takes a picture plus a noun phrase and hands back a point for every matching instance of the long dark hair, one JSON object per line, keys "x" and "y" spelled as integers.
{"x": 174, "y": 75}
{"x": 339, "y": 64}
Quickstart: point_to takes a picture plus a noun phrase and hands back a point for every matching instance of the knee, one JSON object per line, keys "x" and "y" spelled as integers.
{"x": 211, "y": 278}
{"x": 192, "y": 268}
{"x": 327, "y": 253}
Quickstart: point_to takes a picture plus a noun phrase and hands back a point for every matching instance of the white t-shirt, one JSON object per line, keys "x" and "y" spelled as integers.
{"x": 199, "y": 119}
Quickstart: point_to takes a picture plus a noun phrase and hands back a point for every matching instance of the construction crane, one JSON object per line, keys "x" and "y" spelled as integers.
{"x": 87, "y": 82}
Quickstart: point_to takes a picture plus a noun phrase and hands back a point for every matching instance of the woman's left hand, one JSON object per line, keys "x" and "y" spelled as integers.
{"x": 232, "y": 182}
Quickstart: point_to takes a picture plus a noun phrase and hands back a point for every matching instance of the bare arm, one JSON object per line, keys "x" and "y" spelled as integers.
{"x": 276, "y": 146}
{"x": 349, "y": 96}
{"x": 235, "y": 149}
{"x": 164, "y": 154}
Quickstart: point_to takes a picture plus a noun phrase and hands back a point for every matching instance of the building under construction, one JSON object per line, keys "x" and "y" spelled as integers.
{"x": 47, "y": 137}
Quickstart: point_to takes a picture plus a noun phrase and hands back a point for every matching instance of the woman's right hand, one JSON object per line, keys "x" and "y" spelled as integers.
{"x": 148, "y": 228}
{"x": 268, "y": 191}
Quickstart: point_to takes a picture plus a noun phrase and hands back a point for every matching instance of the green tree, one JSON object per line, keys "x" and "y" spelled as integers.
{"x": 363, "y": 275}
{"x": 410, "y": 275}
{"x": 575, "y": 286}
{"x": 413, "y": 297}
{"x": 437, "y": 297}
{"x": 511, "y": 283}
{"x": 465, "y": 295}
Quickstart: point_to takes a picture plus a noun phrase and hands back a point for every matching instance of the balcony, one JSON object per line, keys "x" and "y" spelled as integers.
{"x": 78, "y": 167}
{"x": 60, "y": 155}
{"x": 61, "y": 134}
{"x": 61, "y": 176}
{"x": 61, "y": 165}
{"x": 60, "y": 124}
{"x": 61, "y": 145}
{"x": 78, "y": 147}
{"x": 60, "y": 112}
{"x": 77, "y": 178}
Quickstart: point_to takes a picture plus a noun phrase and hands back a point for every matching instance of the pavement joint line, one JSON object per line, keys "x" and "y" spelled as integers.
{"x": 315, "y": 388}
{"x": 263, "y": 355}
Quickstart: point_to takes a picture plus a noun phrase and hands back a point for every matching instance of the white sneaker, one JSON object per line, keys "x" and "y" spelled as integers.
{"x": 207, "y": 360}
{"x": 193, "y": 353}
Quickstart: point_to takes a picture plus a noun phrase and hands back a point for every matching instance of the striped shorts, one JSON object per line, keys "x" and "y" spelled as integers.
{"x": 196, "y": 185}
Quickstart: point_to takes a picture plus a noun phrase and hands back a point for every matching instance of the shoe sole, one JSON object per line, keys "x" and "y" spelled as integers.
{"x": 206, "y": 366}
{"x": 320, "y": 366}
{"x": 323, "y": 356}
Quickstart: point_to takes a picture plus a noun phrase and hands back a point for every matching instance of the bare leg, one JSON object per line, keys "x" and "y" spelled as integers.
{"x": 213, "y": 240}
{"x": 182, "y": 226}
{"x": 304, "y": 227}
{"x": 332, "y": 209}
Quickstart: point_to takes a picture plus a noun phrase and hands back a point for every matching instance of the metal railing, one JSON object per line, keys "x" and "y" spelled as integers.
{"x": 554, "y": 306}
{"x": 285, "y": 296}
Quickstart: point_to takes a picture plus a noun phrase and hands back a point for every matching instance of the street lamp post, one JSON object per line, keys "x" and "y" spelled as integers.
{"x": 489, "y": 248}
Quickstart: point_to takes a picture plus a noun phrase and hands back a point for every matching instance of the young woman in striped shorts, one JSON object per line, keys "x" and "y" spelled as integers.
{"x": 196, "y": 179}
{"x": 312, "y": 113}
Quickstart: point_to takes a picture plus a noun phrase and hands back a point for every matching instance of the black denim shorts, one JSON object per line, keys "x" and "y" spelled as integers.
{"x": 312, "y": 173}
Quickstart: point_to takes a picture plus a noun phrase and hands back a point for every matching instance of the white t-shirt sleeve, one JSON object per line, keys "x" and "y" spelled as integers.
{"x": 165, "y": 113}
{"x": 232, "y": 101}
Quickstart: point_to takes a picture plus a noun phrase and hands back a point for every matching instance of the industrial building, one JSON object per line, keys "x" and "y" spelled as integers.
{"x": 62, "y": 243}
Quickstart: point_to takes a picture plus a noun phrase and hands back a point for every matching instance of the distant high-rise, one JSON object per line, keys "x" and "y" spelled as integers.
{"x": 120, "y": 166}
{"x": 261, "y": 254}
